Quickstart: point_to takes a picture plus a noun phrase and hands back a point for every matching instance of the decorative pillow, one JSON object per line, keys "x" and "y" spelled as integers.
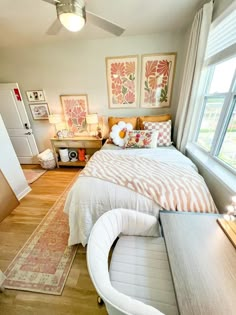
{"x": 114, "y": 120}
{"x": 164, "y": 131}
{"x": 118, "y": 133}
{"x": 158, "y": 118}
{"x": 141, "y": 139}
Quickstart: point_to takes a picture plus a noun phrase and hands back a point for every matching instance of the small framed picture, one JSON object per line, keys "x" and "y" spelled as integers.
{"x": 39, "y": 111}
{"x": 35, "y": 96}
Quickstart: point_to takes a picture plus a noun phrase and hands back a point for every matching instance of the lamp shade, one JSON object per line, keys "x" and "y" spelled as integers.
{"x": 71, "y": 14}
{"x": 55, "y": 119}
{"x": 72, "y": 21}
{"x": 92, "y": 119}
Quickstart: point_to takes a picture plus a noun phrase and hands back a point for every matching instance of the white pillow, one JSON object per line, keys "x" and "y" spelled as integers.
{"x": 118, "y": 133}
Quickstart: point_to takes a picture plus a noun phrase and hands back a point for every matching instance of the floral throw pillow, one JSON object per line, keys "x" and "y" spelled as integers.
{"x": 164, "y": 131}
{"x": 118, "y": 133}
{"x": 141, "y": 139}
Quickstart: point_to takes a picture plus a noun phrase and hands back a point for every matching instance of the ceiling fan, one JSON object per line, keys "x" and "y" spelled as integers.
{"x": 73, "y": 16}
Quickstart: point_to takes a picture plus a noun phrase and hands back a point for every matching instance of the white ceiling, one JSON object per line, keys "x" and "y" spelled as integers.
{"x": 26, "y": 21}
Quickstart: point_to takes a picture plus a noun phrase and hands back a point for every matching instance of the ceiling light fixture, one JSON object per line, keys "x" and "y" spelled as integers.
{"x": 71, "y": 14}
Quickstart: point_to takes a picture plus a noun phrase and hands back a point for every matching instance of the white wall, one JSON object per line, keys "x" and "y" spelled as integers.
{"x": 10, "y": 165}
{"x": 76, "y": 67}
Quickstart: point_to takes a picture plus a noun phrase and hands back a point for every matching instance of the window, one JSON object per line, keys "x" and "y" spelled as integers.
{"x": 214, "y": 128}
{"x": 216, "y": 132}
{"x": 228, "y": 149}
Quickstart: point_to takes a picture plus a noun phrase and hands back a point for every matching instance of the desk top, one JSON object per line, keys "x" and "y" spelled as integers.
{"x": 203, "y": 264}
{"x": 82, "y": 138}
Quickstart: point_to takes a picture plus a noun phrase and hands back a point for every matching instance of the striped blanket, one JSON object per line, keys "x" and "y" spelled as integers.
{"x": 170, "y": 186}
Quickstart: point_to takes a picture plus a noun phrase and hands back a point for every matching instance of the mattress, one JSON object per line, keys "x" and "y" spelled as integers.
{"x": 90, "y": 197}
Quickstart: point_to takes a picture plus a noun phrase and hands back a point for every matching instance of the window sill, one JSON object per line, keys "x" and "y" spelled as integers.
{"x": 224, "y": 175}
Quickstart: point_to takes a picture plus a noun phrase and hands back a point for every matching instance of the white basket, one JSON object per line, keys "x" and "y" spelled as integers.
{"x": 48, "y": 165}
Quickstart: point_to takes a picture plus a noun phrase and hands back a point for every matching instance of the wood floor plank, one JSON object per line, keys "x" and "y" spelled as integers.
{"x": 79, "y": 296}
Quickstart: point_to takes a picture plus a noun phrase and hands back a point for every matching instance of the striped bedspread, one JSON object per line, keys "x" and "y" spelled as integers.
{"x": 170, "y": 186}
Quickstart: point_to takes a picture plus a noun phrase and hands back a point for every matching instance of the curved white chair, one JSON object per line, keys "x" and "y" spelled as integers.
{"x": 122, "y": 296}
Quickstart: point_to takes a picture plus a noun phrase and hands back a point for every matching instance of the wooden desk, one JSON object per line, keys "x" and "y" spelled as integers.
{"x": 202, "y": 262}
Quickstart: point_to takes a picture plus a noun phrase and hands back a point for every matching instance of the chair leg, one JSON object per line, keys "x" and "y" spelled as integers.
{"x": 100, "y": 301}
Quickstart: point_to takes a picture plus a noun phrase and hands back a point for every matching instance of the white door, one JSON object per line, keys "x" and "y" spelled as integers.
{"x": 17, "y": 123}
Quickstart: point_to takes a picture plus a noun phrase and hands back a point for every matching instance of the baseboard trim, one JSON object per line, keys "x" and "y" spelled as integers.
{"x": 23, "y": 193}
{"x": 28, "y": 160}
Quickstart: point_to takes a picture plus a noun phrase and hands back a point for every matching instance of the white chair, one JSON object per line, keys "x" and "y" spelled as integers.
{"x": 139, "y": 281}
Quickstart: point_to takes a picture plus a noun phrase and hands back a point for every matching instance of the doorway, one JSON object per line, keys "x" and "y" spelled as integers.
{"x": 14, "y": 115}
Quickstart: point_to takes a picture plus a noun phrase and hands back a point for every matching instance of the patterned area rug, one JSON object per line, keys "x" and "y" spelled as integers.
{"x": 44, "y": 262}
{"x": 32, "y": 175}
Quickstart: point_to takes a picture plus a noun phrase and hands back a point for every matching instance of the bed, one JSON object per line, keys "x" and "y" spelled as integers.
{"x": 94, "y": 193}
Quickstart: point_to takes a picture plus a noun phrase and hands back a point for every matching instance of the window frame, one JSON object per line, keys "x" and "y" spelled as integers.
{"x": 225, "y": 115}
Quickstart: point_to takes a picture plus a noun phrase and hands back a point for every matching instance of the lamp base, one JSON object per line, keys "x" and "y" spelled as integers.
{"x": 91, "y": 131}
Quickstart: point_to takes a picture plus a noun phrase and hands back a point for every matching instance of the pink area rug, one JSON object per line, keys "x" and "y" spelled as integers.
{"x": 44, "y": 262}
{"x": 32, "y": 175}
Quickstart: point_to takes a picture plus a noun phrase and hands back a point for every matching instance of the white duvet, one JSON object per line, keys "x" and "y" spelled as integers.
{"x": 90, "y": 197}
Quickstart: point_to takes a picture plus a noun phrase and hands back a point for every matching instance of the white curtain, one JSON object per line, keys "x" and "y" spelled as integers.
{"x": 192, "y": 71}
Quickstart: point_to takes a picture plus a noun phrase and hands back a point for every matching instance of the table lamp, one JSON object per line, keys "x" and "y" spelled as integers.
{"x": 55, "y": 119}
{"x": 92, "y": 120}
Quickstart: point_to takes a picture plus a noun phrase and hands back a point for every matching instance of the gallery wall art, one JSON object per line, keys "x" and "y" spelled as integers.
{"x": 157, "y": 80}
{"x": 39, "y": 111}
{"x": 122, "y": 81}
{"x": 35, "y": 96}
{"x": 75, "y": 108}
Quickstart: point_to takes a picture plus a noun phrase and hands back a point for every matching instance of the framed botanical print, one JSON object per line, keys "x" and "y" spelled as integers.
{"x": 75, "y": 108}
{"x": 157, "y": 77}
{"x": 39, "y": 111}
{"x": 122, "y": 81}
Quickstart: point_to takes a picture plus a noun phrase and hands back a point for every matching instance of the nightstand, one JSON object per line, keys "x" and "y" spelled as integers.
{"x": 90, "y": 144}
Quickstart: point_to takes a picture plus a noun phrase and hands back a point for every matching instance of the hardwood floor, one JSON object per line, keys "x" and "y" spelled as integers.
{"x": 79, "y": 295}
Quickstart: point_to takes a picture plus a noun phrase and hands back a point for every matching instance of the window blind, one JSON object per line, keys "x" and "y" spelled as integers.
{"x": 222, "y": 39}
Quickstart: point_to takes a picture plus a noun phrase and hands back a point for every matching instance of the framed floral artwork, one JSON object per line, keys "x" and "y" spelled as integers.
{"x": 75, "y": 108}
{"x": 157, "y": 80}
{"x": 39, "y": 111}
{"x": 122, "y": 76}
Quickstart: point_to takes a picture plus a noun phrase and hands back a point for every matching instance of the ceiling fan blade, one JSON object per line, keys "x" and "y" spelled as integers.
{"x": 51, "y": 1}
{"x": 104, "y": 24}
{"x": 54, "y": 28}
